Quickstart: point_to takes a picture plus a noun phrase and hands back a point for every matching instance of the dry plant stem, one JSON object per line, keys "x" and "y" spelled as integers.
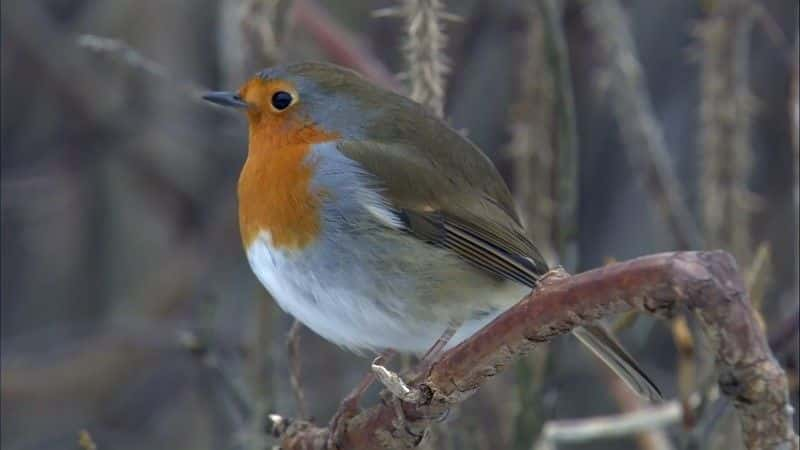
{"x": 249, "y": 36}
{"x": 704, "y": 283}
{"x": 687, "y": 372}
{"x": 758, "y": 274}
{"x": 642, "y": 135}
{"x": 293, "y": 347}
{"x": 133, "y": 58}
{"x": 543, "y": 138}
{"x": 424, "y": 49}
{"x": 726, "y": 110}
{"x": 587, "y": 430}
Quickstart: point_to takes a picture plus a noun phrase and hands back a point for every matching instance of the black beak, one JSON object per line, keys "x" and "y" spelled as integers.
{"x": 223, "y": 98}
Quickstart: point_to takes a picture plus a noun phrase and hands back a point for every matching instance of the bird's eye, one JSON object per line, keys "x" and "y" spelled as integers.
{"x": 281, "y": 100}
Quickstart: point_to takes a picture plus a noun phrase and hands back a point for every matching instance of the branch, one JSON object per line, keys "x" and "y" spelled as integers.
{"x": 704, "y": 283}
{"x": 585, "y": 430}
{"x": 641, "y": 132}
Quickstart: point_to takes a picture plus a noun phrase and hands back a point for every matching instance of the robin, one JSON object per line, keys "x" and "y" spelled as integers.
{"x": 377, "y": 225}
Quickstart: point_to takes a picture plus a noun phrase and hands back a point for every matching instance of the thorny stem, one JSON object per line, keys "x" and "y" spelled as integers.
{"x": 426, "y": 61}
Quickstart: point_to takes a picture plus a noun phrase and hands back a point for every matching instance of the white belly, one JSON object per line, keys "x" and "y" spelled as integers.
{"x": 349, "y": 301}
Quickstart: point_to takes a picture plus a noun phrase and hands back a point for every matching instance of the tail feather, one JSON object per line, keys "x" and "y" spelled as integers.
{"x": 602, "y": 344}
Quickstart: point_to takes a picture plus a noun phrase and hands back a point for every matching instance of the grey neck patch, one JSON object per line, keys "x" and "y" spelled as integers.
{"x": 334, "y": 112}
{"x": 325, "y": 107}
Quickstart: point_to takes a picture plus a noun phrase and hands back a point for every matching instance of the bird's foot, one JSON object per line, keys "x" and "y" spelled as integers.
{"x": 394, "y": 383}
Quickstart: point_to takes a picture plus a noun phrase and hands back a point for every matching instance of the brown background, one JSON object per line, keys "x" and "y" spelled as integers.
{"x": 120, "y": 242}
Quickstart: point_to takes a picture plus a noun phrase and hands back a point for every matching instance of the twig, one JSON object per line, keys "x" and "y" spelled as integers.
{"x": 293, "y": 346}
{"x": 641, "y": 133}
{"x": 687, "y": 372}
{"x": 604, "y": 427}
{"x": 770, "y": 27}
{"x": 424, "y": 49}
{"x": 758, "y": 275}
{"x": 705, "y": 283}
{"x": 726, "y": 109}
{"x": 134, "y": 59}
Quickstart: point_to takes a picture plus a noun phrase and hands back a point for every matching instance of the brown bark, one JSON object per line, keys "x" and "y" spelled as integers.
{"x": 705, "y": 283}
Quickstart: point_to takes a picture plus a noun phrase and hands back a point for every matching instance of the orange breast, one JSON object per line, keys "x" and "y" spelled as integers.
{"x": 275, "y": 193}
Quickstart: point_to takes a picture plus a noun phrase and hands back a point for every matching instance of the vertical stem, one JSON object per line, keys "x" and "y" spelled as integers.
{"x": 544, "y": 142}
{"x": 533, "y": 139}
{"x": 544, "y": 147}
{"x": 424, "y": 50}
{"x": 641, "y": 132}
{"x": 725, "y": 118}
{"x": 567, "y": 136}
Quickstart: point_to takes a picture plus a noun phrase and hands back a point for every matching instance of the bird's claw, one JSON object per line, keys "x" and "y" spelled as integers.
{"x": 394, "y": 383}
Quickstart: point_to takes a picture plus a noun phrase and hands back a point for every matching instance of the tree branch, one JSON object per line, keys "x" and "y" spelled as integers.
{"x": 586, "y": 430}
{"x": 704, "y": 283}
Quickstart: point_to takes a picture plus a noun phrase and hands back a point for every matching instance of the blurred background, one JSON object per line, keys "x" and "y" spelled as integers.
{"x": 128, "y": 308}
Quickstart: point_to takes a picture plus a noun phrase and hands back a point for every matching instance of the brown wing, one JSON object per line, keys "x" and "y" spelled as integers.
{"x": 478, "y": 246}
{"x": 465, "y": 207}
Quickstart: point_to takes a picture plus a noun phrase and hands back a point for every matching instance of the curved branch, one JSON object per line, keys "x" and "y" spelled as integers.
{"x": 704, "y": 283}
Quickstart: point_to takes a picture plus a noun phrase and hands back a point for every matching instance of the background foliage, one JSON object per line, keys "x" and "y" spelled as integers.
{"x": 128, "y": 308}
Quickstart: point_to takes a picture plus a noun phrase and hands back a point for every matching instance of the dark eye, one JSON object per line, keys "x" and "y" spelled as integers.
{"x": 281, "y": 100}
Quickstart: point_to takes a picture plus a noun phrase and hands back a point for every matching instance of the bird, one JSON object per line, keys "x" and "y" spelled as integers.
{"x": 376, "y": 224}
